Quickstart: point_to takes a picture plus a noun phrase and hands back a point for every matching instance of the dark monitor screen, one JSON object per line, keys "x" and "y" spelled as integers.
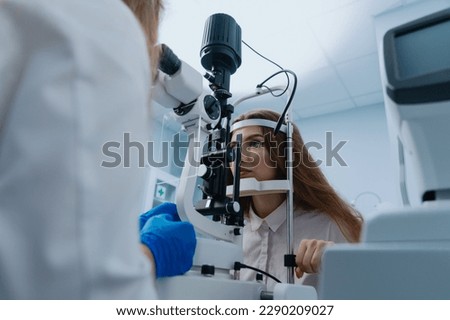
{"x": 423, "y": 51}
{"x": 417, "y": 60}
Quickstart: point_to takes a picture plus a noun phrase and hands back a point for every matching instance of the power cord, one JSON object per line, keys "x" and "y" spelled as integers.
{"x": 274, "y": 63}
{"x": 239, "y": 265}
{"x": 286, "y": 72}
{"x": 291, "y": 97}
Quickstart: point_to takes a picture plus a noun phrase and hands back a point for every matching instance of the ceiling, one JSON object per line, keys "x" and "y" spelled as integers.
{"x": 329, "y": 44}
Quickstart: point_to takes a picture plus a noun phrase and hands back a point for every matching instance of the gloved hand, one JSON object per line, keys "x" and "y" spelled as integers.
{"x": 171, "y": 241}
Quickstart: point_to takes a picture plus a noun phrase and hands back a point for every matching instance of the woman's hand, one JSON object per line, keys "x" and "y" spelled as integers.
{"x": 309, "y": 256}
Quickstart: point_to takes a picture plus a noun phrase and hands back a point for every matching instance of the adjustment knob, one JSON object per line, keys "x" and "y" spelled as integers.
{"x": 204, "y": 172}
{"x": 233, "y": 207}
{"x": 208, "y": 270}
{"x": 212, "y": 107}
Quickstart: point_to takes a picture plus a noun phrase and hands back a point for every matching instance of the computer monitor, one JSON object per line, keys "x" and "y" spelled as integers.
{"x": 417, "y": 60}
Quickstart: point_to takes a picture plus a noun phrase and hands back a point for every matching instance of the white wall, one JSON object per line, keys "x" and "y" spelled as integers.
{"x": 367, "y": 154}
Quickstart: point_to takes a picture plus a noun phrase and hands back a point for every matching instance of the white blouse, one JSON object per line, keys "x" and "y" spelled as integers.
{"x": 264, "y": 242}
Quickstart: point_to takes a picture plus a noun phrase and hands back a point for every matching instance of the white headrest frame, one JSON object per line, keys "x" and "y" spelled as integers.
{"x": 257, "y": 122}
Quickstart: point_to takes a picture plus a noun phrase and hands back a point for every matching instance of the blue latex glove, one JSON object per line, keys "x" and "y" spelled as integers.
{"x": 171, "y": 241}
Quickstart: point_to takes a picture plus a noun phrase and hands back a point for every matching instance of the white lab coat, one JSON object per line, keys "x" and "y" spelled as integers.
{"x": 74, "y": 74}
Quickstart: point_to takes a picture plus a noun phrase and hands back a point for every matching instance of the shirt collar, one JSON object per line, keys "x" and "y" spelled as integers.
{"x": 274, "y": 220}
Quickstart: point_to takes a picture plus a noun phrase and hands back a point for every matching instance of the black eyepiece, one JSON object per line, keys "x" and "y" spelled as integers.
{"x": 169, "y": 63}
{"x": 221, "y": 46}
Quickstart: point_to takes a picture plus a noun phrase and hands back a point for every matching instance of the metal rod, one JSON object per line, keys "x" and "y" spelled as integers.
{"x": 290, "y": 196}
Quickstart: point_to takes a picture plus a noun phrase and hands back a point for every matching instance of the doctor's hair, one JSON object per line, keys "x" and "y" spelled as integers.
{"x": 148, "y": 12}
{"x": 312, "y": 191}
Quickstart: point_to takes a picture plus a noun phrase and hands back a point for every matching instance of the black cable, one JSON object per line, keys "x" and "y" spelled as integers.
{"x": 280, "y": 120}
{"x": 259, "y": 54}
{"x": 272, "y": 92}
{"x": 274, "y": 63}
{"x": 286, "y": 72}
{"x": 291, "y": 97}
{"x": 239, "y": 265}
